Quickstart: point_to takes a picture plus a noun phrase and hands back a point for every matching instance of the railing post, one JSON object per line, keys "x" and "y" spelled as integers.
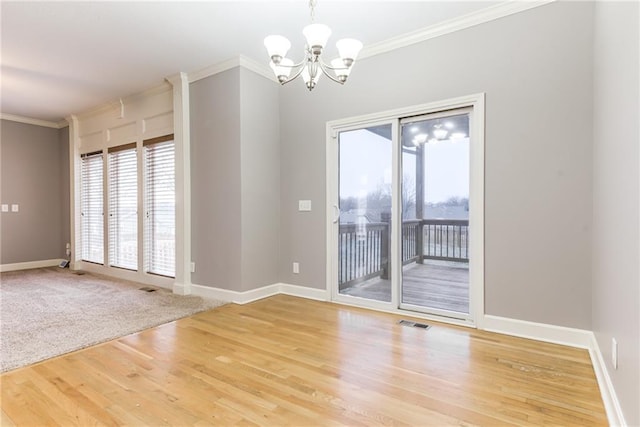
{"x": 420, "y": 243}
{"x": 384, "y": 246}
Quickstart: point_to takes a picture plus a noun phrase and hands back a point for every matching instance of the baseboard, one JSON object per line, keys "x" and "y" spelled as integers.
{"x": 258, "y": 293}
{"x": 608, "y": 393}
{"x": 572, "y": 337}
{"x": 30, "y": 264}
{"x": 304, "y": 292}
{"x": 538, "y": 331}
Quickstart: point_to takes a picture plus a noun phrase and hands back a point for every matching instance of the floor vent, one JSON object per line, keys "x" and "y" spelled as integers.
{"x": 414, "y": 324}
{"x": 147, "y": 289}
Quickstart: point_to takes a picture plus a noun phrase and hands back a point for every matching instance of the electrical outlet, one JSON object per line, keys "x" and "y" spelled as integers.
{"x": 193, "y": 267}
{"x": 614, "y": 353}
{"x": 296, "y": 268}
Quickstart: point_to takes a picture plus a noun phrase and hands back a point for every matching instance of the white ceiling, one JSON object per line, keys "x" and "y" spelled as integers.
{"x": 61, "y": 58}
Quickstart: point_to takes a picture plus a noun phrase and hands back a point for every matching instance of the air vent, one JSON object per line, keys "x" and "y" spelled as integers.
{"x": 414, "y": 324}
{"x": 147, "y": 289}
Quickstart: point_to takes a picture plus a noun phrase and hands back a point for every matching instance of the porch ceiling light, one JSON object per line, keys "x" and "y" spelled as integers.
{"x": 312, "y": 66}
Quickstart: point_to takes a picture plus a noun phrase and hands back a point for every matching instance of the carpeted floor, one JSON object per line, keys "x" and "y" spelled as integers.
{"x": 47, "y": 312}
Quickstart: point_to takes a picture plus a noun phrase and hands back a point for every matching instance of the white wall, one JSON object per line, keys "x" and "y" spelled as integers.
{"x": 616, "y": 197}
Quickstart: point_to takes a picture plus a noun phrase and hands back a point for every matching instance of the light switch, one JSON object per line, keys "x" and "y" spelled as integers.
{"x": 5, "y": 207}
{"x": 15, "y": 208}
{"x": 304, "y": 205}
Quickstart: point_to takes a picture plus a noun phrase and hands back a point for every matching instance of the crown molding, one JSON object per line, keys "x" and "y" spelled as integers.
{"x": 155, "y": 90}
{"x": 238, "y": 61}
{"x": 456, "y": 24}
{"x": 31, "y": 121}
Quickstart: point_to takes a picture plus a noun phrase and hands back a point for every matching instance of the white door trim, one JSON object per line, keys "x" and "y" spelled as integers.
{"x": 476, "y": 202}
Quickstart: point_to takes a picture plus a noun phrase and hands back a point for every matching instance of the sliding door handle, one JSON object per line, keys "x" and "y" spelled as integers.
{"x": 336, "y": 215}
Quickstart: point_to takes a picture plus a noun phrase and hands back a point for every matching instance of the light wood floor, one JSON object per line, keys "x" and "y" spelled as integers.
{"x": 435, "y": 284}
{"x": 290, "y": 361}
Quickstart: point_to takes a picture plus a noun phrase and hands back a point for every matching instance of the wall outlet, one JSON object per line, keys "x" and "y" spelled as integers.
{"x": 614, "y": 353}
{"x": 296, "y": 268}
{"x": 193, "y": 267}
{"x": 5, "y": 207}
{"x": 15, "y": 208}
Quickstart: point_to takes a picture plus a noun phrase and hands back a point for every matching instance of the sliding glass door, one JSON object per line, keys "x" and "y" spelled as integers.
{"x": 364, "y": 207}
{"x": 405, "y": 211}
{"x": 435, "y": 213}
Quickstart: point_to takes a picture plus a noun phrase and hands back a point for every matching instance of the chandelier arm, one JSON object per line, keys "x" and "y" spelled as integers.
{"x": 325, "y": 68}
{"x": 297, "y": 73}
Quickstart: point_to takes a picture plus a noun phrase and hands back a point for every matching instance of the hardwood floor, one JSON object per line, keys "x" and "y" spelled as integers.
{"x": 290, "y": 361}
{"x": 435, "y": 284}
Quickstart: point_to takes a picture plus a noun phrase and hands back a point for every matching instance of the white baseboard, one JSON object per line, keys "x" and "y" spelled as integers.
{"x": 182, "y": 288}
{"x": 538, "y": 331}
{"x": 30, "y": 264}
{"x": 258, "y": 293}
{"x": 572, "y": 337}
{"x": 608, "y": 393}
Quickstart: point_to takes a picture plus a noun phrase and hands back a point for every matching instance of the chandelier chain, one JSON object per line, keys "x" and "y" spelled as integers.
{"x": 312, "y": 8}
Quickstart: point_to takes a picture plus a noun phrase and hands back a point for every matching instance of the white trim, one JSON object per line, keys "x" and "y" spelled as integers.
{"x": 182, "y": 138}
{"x": 258, "y": 293}
{"x": 607, "y": 391}
{"x": 123, "y": 274}
{"x": 30, "y": 264}
{"x": 105, "y": 108}
{"x": 238, "y": 61}
{"x": 304, "y": 292}
{"x": 572, "y": 337}
{"x": 450, "y": 26}
{"x": 476, "y": 102}
{"x": 30, "y": 121}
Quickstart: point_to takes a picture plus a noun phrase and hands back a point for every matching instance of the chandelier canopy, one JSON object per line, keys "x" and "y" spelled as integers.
{"x": 312, "y": 66}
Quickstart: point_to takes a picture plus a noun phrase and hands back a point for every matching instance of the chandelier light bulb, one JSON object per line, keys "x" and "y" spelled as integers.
{"x": 282, "y": 70}
{"x": 277, "y": 47}
{"x": 316, "y": 36}
{"x": 341, "y": 71}
{"x": 349, "y": 50}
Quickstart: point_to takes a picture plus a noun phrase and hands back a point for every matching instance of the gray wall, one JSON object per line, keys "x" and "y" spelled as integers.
{"x": 616, "y": 198}
{"x": 536, "y": 71}
{"x": 260, "y": 170}
{"x": 235, "y": 180}
{"x": 215, "y": 180}
{"x": 34, "y": 174}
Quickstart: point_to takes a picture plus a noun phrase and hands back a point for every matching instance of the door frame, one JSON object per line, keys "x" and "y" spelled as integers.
{"x": 476, "y": 203}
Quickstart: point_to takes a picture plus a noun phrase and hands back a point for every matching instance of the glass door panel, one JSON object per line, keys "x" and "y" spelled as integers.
{"x": 364, "y": 223}
{"x": 435, "y": 213}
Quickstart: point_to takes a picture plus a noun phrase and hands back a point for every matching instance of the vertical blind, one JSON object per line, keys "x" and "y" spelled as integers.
{"x": 123, "y": 207}
{"x": 160, "y": 205}
{"x": 91, "y": 208}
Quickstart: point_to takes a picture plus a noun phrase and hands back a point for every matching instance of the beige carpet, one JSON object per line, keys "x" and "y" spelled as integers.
{"x": 47, "y": 312}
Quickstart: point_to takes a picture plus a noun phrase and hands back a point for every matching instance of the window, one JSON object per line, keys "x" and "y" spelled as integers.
{"x": 160, "y": 241}
{"x": 123, "y": 207}
{"x": 91, "y": 208}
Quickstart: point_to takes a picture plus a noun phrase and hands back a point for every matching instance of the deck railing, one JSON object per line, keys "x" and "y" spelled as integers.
{"x": 365, "y": 248}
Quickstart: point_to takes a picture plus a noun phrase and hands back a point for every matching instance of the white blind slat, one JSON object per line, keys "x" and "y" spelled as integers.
{"x": 123, "y": 209}
{"x": 160, "y": 244}
{"x": 91, "y": 207}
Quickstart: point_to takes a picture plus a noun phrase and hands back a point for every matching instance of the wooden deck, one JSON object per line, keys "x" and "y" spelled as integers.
{"x": 443, "y": 285}
{"x": 289, "y": 361}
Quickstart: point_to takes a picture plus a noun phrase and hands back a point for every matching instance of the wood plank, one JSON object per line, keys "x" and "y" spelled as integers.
{"x": 434, "y": 284}
{"x": 290, "y": 361}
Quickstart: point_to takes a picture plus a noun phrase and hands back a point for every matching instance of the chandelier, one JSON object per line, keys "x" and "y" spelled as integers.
{"x": 312, "y": 66}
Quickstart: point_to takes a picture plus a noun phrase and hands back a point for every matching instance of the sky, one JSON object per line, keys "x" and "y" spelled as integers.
{"x": 365, "y": 165}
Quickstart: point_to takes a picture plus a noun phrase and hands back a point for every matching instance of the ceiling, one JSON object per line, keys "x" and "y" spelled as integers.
{"x": 62, "y": 58}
